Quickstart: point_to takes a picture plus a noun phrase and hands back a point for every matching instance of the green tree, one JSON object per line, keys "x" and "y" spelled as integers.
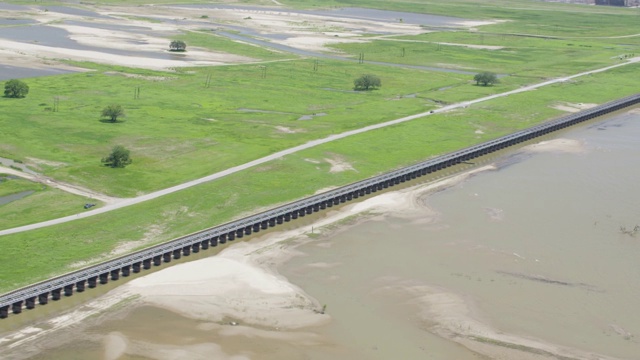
{"x": 113, "y": 112}
{"x": 15, "y": 89}
{"x": 178, "y": 45}
{"x": 486, "y": 78}
{"x": 366, "y": 82}
{"x": 119, "y": 157}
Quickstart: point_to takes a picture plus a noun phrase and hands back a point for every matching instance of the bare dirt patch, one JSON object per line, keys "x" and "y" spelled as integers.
{"x": 70, "y": 188}
{"x": 558, "y": 145}
{"x": 471, "y": 46}
{"x": 35, "y": 163}
{"x": 571, "y": 107}
{"x": 286, "y": 130}
{"x": 142, "y": 77}
{"x": 339, "y": 164}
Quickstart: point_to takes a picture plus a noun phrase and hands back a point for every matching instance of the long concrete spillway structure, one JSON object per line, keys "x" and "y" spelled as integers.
{"x": 54, "y": 288}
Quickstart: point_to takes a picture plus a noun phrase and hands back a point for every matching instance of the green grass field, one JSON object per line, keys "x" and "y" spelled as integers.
{"x": 53, "y": 249}
{"x": 180, "y": 129}
{"x": 43, "y": 203}
{"x": 10, "y": 185}
{"x": 514, "y": 55}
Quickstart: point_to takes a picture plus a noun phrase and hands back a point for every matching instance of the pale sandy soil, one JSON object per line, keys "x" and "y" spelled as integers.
{"x": 15, "y": 57}
{"x": 303, "y": 31}
{"x": 557, "y": 145}
{"x": 287, "y": 130}
{"x": 451, "y": 316}
{"x": 37, "y": 54}
{"x": 143, "y": 77}
{"x": 571, "y": 107}
{"x": 339, "y": 164}
{"x": 37, "y": 163}
{"x": 33, "y": 55}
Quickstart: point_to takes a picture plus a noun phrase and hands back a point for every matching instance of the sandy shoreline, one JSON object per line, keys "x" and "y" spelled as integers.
{"x": 246, "y": 291}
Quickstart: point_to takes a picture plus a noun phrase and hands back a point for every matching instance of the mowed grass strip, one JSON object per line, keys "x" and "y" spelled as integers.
{"x": 35, "y": 255}
{"x": 43, "y": 202}
{"x": 180, "y": 129}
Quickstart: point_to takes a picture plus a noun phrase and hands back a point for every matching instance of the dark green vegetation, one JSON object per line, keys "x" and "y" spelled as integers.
{"x": 119, "y": 157}
{"x": 178, "y": 45}
{"x": 15, "y": 89}
{"x": 186, "y": 127}
{"x": 113, "y": 112}
{"x": 367, "y": 82}
{"x": 485, "y": 78}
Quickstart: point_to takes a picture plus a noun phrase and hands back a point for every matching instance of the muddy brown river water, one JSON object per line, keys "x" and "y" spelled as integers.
{"x": 534, "y": 258}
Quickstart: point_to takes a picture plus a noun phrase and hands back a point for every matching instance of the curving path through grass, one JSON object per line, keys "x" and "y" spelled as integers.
{"x": 132, "y": 201}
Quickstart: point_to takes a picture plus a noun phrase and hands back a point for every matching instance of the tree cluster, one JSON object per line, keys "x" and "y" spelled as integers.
{"x": 486, "y": 78}
{"x": 15, "y": 89}
{"x": 366, "y": 82}
{"x": 119, "y": 157}
{"x": 178, "y": 45}
{"x": 113, "y": 112}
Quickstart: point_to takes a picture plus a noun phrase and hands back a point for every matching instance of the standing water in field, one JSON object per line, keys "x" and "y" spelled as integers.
{"x": 533, "y": 257}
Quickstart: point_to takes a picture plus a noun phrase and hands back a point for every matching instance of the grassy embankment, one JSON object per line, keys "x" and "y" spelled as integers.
{"x": 52, "y": 250}
{"x": 178, "y": 126}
